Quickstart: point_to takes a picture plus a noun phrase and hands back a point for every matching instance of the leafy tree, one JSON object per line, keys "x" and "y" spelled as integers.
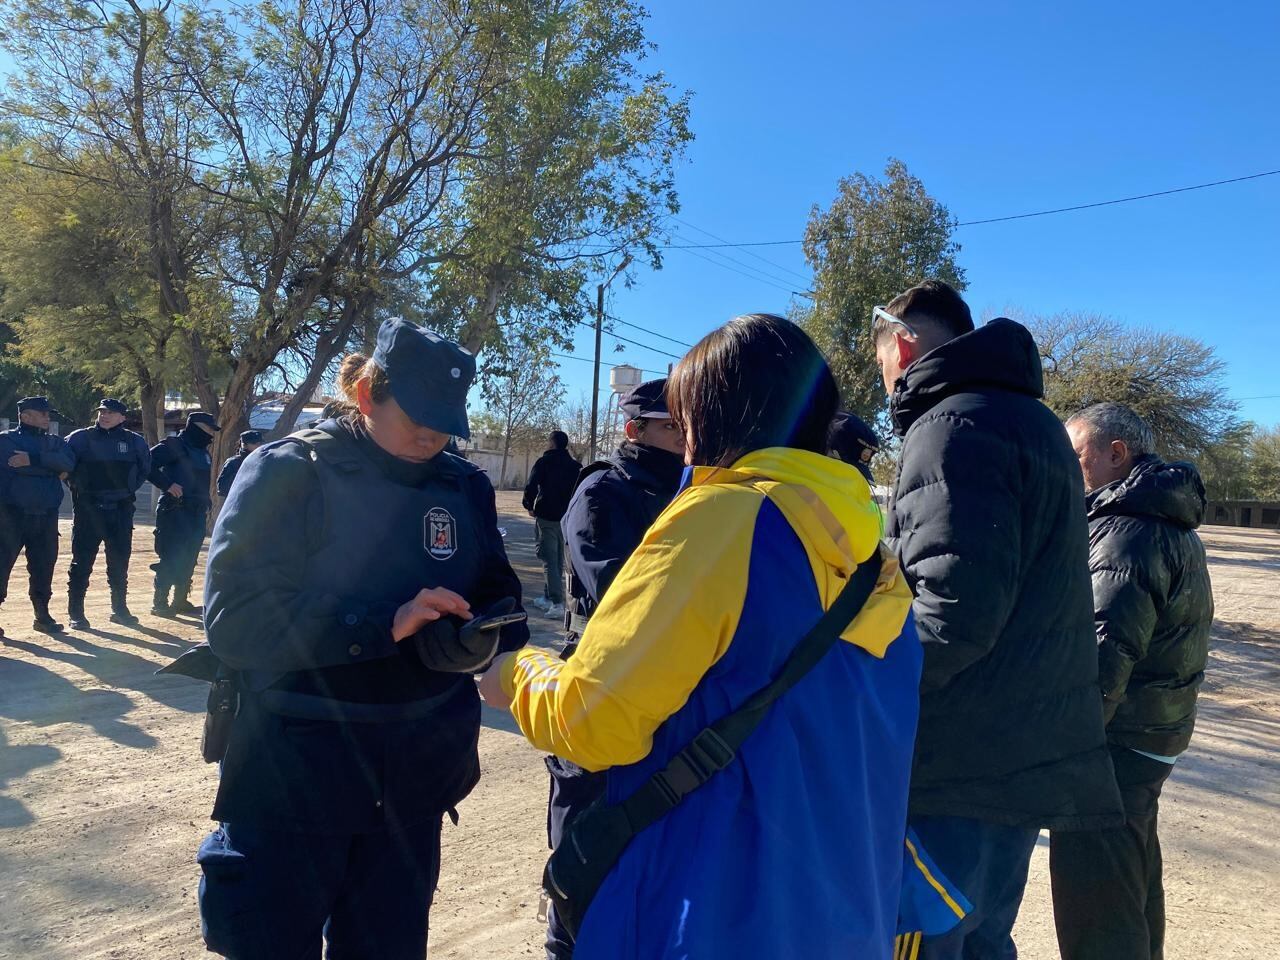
{"x": 1264, "y": 464}
{"x": 522, "y": 392}
{"x": 1176, "y": 383}
{"x": 1225, "y": 465}
{"x": 877, "y": 238}
{"x": 78, "y": 284}
{"x": 73, "y": 395}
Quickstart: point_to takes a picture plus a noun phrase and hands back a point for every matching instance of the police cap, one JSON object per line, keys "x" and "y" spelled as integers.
{"x": 207, "y": 419}
{"x": 251, "y": 436}
{"x": 429, "y": 375}
{"x": 648, "y": 400}
{"x": 115, "y": 406}
{"x": 40, "y": 404}
{"x": 853, "y": 441}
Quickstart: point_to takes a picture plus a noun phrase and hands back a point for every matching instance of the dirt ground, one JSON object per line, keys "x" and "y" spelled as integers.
{"x": 103, "y": 797}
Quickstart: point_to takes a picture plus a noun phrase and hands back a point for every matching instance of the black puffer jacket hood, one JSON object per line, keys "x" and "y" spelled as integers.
{"x": 1153, "y": 603}
{"x": 1162, "y": 491}
{"x": 999, "y": 356}
{"x": 989, "y": 521}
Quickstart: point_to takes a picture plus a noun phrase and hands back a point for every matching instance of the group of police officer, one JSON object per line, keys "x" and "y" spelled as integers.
{"x": 104, "y": 466}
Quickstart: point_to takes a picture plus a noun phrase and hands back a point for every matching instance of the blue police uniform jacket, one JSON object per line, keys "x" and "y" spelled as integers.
{"x": 36, "y": 488}
{"x": 173, "y": 460}
{"x": 111, "y": 465}
{"x": 341, "y": 729}
{"x": 615, "y": 502}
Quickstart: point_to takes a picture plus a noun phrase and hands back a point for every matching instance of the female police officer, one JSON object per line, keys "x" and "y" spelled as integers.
{"x": 342, "y": 563}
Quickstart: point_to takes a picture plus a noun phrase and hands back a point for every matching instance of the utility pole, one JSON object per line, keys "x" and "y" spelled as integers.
{"x": 595, "y": 376}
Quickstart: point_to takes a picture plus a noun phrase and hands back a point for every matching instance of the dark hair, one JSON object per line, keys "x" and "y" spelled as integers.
{"x": 559, "y": 439}
{"x": 756, "y": 382}
{"x": 932, "y": 303}
{"x": 1114, "y": 421}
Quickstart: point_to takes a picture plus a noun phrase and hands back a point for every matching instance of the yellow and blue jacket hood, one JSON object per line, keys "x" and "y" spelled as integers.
{"x": 800, "y": 839}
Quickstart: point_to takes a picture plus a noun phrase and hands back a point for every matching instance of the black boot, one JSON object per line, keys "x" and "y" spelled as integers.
{"x": 75, "y": 610}
{"x": 44, "y": 622}
{"x": 182, "y": 605}
{"x": 160, "y": 604}
{"x": 120, "y": 608}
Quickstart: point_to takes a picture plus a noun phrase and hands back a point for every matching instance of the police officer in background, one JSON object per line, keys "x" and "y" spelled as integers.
{"x": 112, "y": 463}
{"x": 181, "y": 468}
{"x": 250, "y": 441}
{"x": 342, "y": 572}
{"x": 32, "y": 465}
{"x": 851, "y": 440}
{"x": 615, "y": 502}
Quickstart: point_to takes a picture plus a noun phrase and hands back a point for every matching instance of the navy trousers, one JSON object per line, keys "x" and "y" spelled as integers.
{"x": 573, "y": 789}
{"x": 179, "y": 534}
{"x": 269, "y": 894}
{"x": 988, "y": 862}
{"x": 110, "y": 526}
{"x": 38, "y": 534}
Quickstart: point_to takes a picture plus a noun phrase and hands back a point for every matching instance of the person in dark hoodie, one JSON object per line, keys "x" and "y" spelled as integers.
{"x": 988, "y": 520}
{"x": 1153, "y": 609}
{"x": 546, "y": 495}
{"x": 181, "y": 469}
{"x": 614, "y": 504}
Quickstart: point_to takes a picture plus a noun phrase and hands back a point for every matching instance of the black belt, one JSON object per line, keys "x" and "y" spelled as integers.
{"x": 306, "y": 706}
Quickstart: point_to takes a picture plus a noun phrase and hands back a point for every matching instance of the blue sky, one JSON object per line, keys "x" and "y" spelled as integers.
{"x": 1000, "y": 108}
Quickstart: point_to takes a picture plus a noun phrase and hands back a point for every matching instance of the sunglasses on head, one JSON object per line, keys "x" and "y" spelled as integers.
{"x": 880, "y": 315}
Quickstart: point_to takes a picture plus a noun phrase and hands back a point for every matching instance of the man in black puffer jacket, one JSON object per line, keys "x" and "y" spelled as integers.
{"x": 989, "y": 523}
{"x": 1153, "y": 608}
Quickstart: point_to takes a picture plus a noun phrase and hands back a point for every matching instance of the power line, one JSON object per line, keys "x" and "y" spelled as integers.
{"x": 1005, "y": 219}
{"x": 636, "y": 326}
{"x": 724, "y": 266}
{"x": 1265, "y": 396}
{"x": 755, "y": 256}
{"x": 634, "y": 343}
{"x": 569, "y": 356}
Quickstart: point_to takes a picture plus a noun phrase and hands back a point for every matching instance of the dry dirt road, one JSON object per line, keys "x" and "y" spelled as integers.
{"x": 103, "y": 798}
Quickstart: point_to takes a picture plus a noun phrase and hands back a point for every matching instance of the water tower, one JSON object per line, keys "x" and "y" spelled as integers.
{"x": 622, "y": 379}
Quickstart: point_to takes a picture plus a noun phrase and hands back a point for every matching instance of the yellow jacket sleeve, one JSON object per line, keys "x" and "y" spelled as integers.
{"x": 668, "y": 617}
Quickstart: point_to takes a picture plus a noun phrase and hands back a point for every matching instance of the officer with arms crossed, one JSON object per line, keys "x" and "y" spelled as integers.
{"x": 32, "y": 464}
{"x": 181, "y": 468}
{"x": 111, "y": 464}
{"x": 250, "y": 441}
{"x": 349, "y": 572}
{"x": 615, "y": 502}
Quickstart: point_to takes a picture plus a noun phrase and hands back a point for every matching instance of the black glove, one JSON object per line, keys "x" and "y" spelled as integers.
{"x": 454, "y": 645}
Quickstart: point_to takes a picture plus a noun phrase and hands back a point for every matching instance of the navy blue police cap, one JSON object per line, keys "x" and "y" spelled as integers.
{"x": 208, "y": 419}
{"x": 853, "y": 441}
{"x": 429, "y": 376}
{"x": 115, "y": 406}
{"x": 34, "y": 403}
{"x": 251, "y": 436}
{"x": 647, "y": 400}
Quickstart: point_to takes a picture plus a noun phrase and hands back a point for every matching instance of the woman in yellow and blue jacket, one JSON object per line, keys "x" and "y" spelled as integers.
{"x": 796, "y": 848}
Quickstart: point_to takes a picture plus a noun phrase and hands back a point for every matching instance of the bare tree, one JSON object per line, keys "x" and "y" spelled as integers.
{"x": 523, "y": 393}
{"x": 1175, "y": 383}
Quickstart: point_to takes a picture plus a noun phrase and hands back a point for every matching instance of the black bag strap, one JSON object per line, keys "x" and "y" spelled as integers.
{"x": 715, "y": 747}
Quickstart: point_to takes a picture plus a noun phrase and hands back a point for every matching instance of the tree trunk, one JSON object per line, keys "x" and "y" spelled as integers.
{"x": 151, "y": 396}
{"x": 227, "y": 441}
{"x": 200, "y": 375}
{"x": 328, "y": 346}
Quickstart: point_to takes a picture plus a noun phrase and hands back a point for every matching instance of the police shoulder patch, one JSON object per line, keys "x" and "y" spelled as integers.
{"x": 440, "y": 533}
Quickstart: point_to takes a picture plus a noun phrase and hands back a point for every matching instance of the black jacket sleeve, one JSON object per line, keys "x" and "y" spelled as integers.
{"x": 162, "y": 458}
{"x": 958, "y": 520}
{"x": 1130, "y": 586}
{"x": 227, "y": 474}
{"x": 531, "y": 488}
{"x": 142, "y": 456}
{"x": 498, "y": 579}
{"x": 260, "y": 613}
{"x": 54, "y": 460}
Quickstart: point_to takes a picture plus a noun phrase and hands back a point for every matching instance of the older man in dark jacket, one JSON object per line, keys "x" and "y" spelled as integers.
{"x": 988, "y": 517}
{"x": 1153, "y": 609}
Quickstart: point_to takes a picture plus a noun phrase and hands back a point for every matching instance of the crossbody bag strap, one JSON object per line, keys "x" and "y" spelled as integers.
{"x": 715, "y": 747}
